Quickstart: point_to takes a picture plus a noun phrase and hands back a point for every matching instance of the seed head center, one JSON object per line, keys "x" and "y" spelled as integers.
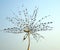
{"x": 27, "y": 29}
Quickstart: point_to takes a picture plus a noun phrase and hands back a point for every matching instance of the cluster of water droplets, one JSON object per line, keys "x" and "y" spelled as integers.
{"x": 28, "y": 21}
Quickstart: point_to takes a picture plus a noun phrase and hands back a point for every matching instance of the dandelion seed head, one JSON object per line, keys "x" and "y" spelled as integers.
{"x": 28, "y": 24}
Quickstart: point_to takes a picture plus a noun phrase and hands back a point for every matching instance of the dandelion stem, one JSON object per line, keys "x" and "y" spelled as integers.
{"x": 28, "y": 41}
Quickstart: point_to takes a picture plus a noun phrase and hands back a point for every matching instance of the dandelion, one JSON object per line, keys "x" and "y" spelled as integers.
{"x": 28, "y": 25}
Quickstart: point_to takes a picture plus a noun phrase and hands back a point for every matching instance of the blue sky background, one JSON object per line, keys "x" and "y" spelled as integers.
{"x": 9, "y": 41}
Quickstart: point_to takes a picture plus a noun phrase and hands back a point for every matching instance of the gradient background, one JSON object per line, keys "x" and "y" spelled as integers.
{"x": 9, "y": 41}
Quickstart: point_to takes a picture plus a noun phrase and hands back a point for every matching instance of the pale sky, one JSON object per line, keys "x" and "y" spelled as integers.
{"x": 9, "y": 41}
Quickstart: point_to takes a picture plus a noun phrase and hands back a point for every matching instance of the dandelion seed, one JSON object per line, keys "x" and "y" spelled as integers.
{"x": 27, "y": 25}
